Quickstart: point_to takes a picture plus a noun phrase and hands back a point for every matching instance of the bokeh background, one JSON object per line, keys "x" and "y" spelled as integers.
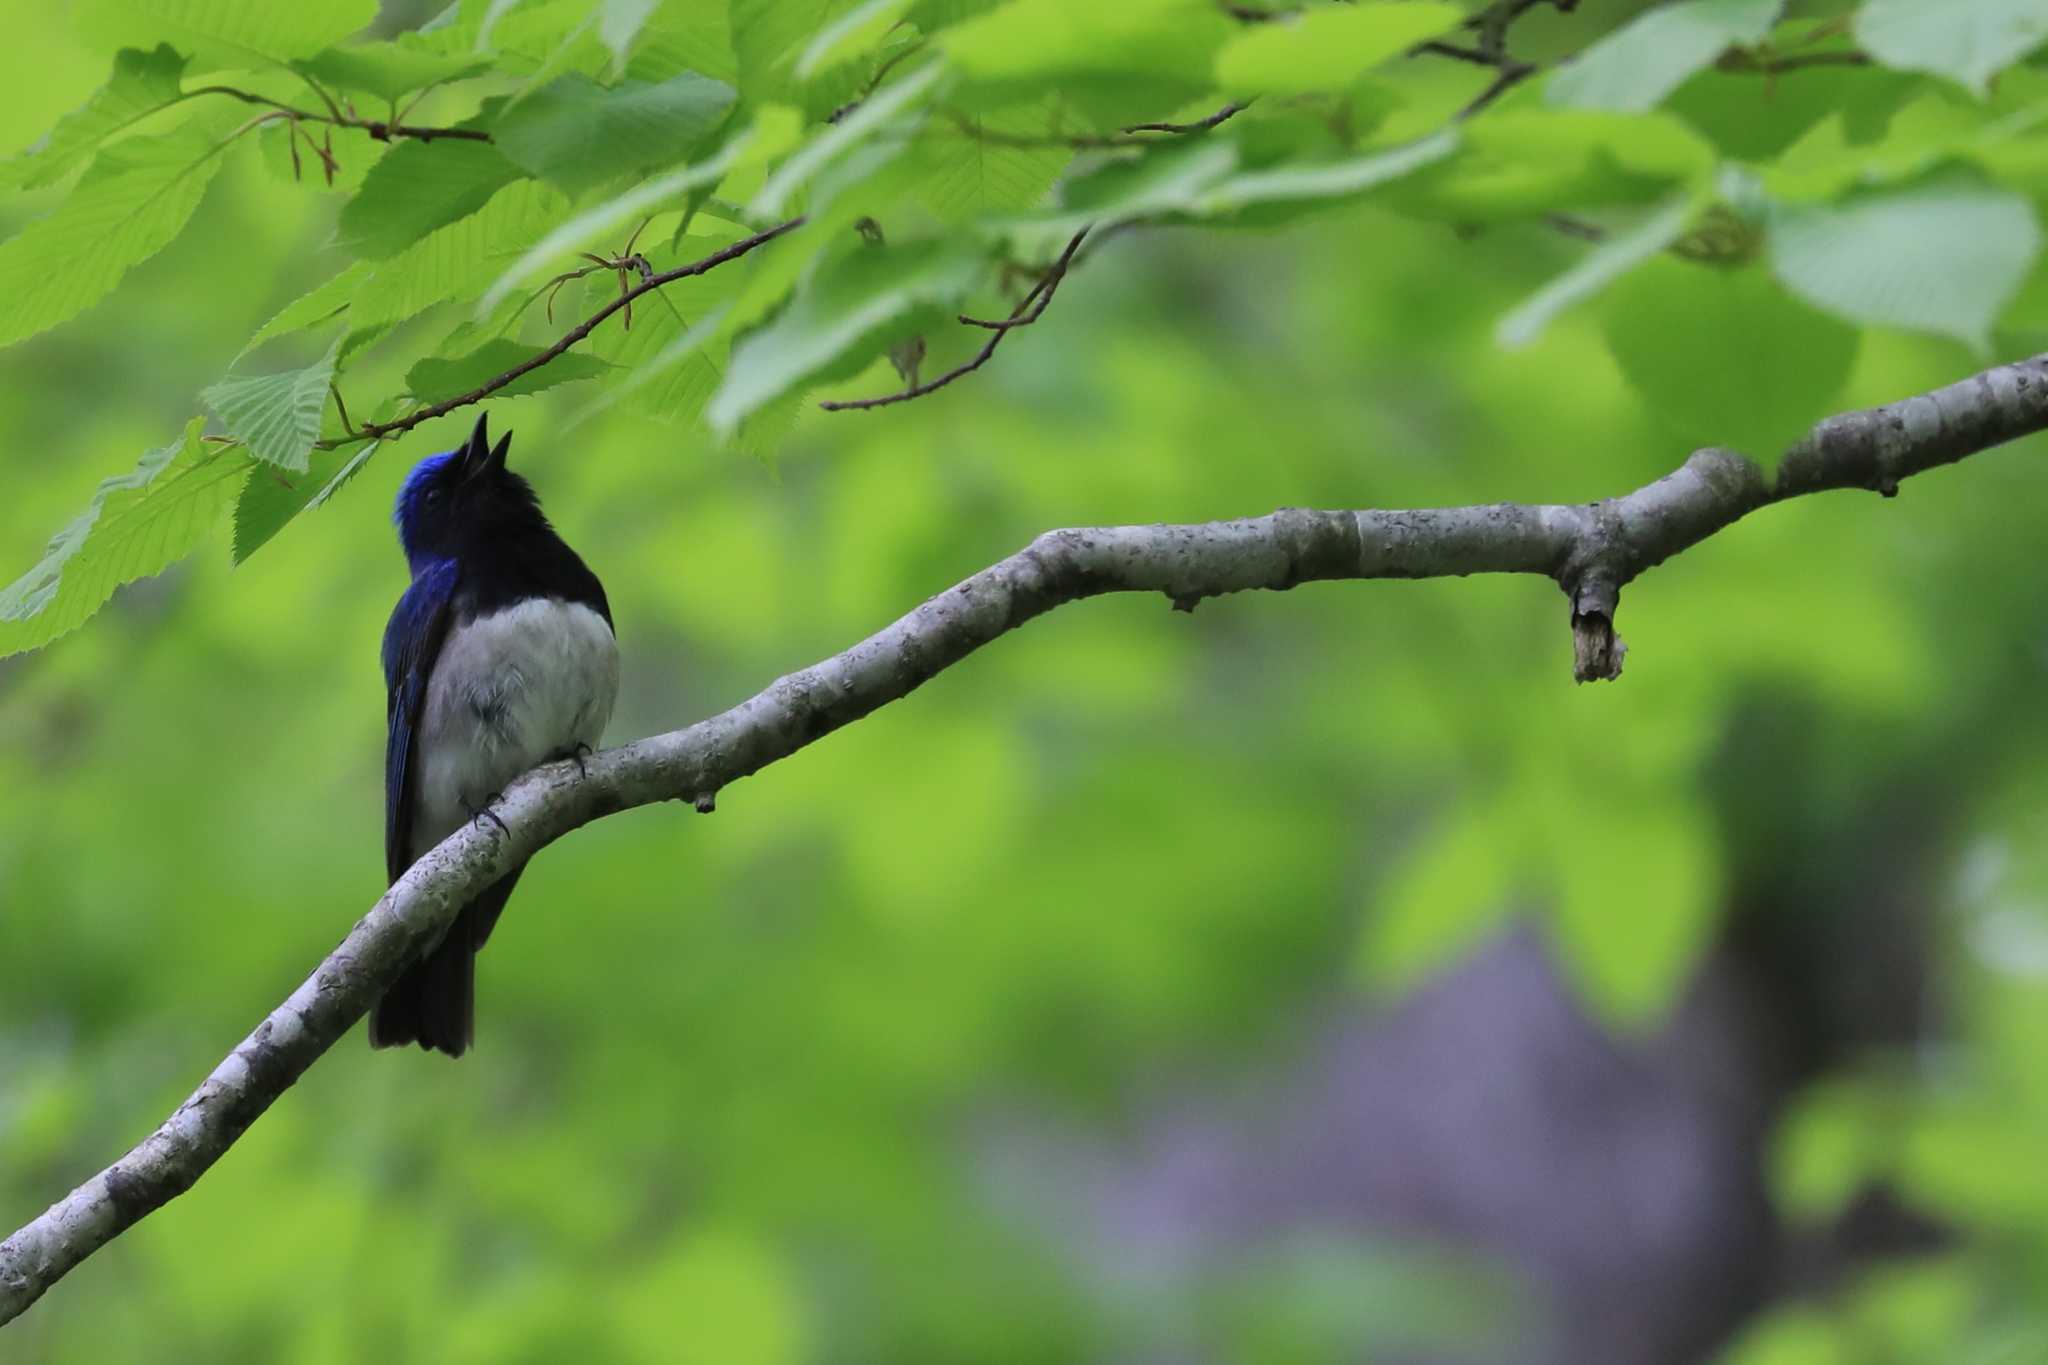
{"x": 1319, "y": 977}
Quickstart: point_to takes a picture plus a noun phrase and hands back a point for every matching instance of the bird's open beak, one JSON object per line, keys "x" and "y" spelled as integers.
{"x": 479, "y": 456}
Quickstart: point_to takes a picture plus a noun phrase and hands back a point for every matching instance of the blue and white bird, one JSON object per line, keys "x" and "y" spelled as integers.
{"x": 500, "y": 656}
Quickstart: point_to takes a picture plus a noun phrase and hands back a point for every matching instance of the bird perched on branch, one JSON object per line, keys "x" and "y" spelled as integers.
{"x": 500, "y": 656}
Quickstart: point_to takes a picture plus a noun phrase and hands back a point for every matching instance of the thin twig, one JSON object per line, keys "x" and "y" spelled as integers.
{"x": 1026, "y": 312}
{"x": 1453, "y": 51}
{"x": 380, "y": 129}
{"x": 379, "y": 430}
{"x": 1512, "y": 73}
{"x": 1744, "y": 62}
{"x": 1200, "y": 125}
{"x": 1124, "y": 137}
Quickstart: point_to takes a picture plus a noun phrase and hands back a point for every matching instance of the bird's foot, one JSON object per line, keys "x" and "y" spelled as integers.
{"x": 576, "y": 754}
{"x": 484, "y": 812}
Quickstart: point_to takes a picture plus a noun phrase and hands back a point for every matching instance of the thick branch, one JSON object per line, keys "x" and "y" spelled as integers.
{"x": 1590, "y": 549}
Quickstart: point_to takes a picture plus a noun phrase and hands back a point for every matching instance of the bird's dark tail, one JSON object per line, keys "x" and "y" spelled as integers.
{"x": 434, "y": 1003}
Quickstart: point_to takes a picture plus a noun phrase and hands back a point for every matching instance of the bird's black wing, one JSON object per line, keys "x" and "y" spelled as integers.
{"x": 412, "y": 642}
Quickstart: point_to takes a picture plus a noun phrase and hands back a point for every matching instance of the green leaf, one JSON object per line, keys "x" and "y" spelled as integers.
{"x": 1968, "y": 41}
{"x": 453, "y": 264}
{"x": 1526, "y": 162}
{"x": 233, "y": 29}
{"x": 1943, "y": 256}
{"x": 1305, "y": 182}
{"x": 434, "y": 380}
{"x": 142, "y": 83}
{"x": 391, "y": 69}
{"x": 313, "y": 307}
{"x": 277, "y": 415}
{"x": 773, "y": 131}
{"x": 1726, "y": 357}
{"x": 619, "y": 23}
{"x": 874, "y": 111}
{"x": 1039, "y": 43}
{"x": 579, "y": 134}
{"x": 844, "y": 317}
{"x": 1599, "y": 268}
{"x": 670, "y": 362}
{"x": 136, "y": 196}
{"x": 853, "y": 34}
{"x": 686, "y": 37}
{"x": 975, "y": 176}
{"x": 1329, "y": 48}
{"x": 272, "y": 496}
{"x": 417, "y": 187}
{"x": 675, "y": 365}
{"x": 1632, "y": 69}
{"x": 135, "y": 525}
{"x": 767, "y": 38}
{"x": 1173, "y": 179}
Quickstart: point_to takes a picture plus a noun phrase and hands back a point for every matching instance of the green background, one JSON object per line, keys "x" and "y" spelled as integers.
{"x": 753, "y": 1087}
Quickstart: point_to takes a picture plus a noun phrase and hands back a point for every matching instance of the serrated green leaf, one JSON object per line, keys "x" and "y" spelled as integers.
{"x": 1968, "y": 41}
{"x": 1329, "y": 48}
{"x": 1943, "y": 256}
{"x": 1171, "y": 179}
{"x": 315, "y": 306}
{"x": 391, "y": 69}
{"x": 1726, "y": 357}
{"x": 417, "y": 187}
{"x": 578, "y": 134}
{"x": 768, "y": 36}
{"x": 141, "y": 84}
{"x": 674, "y": 373}
{"x": 135, "y": 525}
{"x": 1305, "y": 182}
{"x": 1040, "y": 41}
{"x": 853, "y": 34}
{"x": 434, "y": 380}
{"x": 1599, "y": 268}
{"x": 851, "y": 309}
{"x": 276, "y": 415}
{"x": 836, "y": 140}
{"x": 136, "y": 196}
{"x": 1522, "y": 163}
{"x": 619, "y": 23}
{"x": 686, "y": 35}
{"x": 672, "y": 360}
{"x": 1632, "y": 69}
{"x": 234, "y": 29}
{"x": 453, "y": 264}
{"x": 772, "y": 132}
{"x": 272, "y": 496}
{"x": 979, "y": 174}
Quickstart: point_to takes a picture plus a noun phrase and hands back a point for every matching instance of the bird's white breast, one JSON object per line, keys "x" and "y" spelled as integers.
{"x": 509, "y": 690}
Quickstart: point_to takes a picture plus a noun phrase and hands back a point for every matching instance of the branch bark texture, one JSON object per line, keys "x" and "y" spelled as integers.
{"x": 1591, "y": 549}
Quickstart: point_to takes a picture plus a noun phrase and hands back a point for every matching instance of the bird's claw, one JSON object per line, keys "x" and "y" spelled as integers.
{"x": 577, "y": 755}
{"x": 484, "y": 812}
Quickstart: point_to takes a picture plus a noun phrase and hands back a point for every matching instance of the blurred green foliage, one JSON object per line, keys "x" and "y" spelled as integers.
{"x": 736, "y": 1076}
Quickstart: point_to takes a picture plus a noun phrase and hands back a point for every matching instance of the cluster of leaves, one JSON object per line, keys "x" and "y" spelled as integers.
{"x": 613, "y": 148}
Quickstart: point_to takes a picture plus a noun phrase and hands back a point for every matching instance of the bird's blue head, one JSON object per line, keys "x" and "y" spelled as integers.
{"x": 461, "y": 496}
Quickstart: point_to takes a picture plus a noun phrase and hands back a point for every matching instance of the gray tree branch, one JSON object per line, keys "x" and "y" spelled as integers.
{"x": 1591, "y": 549}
